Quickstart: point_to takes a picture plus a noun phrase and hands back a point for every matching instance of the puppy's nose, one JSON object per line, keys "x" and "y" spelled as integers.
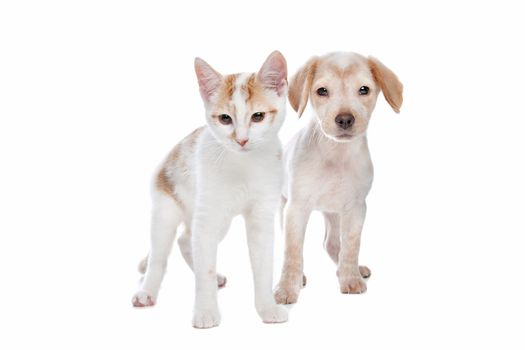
{"x": 242, "y": 142}
{"x": 345, "y": 121}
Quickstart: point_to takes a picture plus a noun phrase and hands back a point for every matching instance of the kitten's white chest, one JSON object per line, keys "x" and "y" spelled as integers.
{"x": 238, "y": 179}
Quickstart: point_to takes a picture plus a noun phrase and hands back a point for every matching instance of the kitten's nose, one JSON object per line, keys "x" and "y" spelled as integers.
{"x": 242, "y": 142}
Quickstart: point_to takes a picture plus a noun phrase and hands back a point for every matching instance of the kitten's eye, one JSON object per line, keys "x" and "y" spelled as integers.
{"x": 363, "y": 90}
{"x": 322, "y": 91}
{"x": 257, "y": 117}
{"x": 225, "y": 119}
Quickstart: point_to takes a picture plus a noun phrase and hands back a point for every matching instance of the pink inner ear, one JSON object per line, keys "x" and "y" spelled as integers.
{"x": 273, "y": 72}
{"x": 209, "y": 80}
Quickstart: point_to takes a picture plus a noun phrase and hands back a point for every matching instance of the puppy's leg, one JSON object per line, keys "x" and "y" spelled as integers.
{"x": 350, "y": 279}
{"x": 184, "y": 242}
{"x": 332, "y": 237}
{"x": 281, "y": 211}
{"x": 209, "y": 227}
{"x": 166, "y": 217}
{"x": 332, "y": 240}
{"x": 260, "y": 231}
{"x": 295, "y": 220}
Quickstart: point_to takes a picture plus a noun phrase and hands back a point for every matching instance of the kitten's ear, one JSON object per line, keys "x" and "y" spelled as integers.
{"x": 209, "y": 79}
{"x": 273, "y": 73}
{"x": 300, "y": 86}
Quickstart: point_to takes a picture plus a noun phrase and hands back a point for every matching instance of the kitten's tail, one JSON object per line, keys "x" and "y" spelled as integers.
{"x": 143, "y": 264}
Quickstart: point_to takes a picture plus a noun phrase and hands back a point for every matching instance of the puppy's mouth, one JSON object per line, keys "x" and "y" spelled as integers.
{"x": 344, "y": 136}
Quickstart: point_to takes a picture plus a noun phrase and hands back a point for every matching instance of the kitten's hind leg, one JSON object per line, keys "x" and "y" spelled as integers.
{"x": 184, "y": 242}
{"x": 143, "y": 265}
{"x": 166, "y": 216}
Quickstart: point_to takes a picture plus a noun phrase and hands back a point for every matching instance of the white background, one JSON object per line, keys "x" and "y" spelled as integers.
{"x": 93, "y": 94}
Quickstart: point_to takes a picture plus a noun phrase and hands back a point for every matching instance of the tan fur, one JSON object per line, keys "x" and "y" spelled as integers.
{"x": 224, "y": 95}
{"x": 164, "y": 182}
{"x": 300, "y": 85}
{"x": 249, "y": 87}
{"x": 228, "y": 87}
{"x": 389, "y": 83}
{"x": 329, "y": 165}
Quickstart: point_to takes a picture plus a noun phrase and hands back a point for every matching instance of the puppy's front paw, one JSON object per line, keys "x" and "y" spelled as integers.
{"x": 221, "y": 281}
{"x": 286, "y": 294}
{"x": 352, "y": 285}
{"x": 274, "y": 314}
{"x": 206, "y": 318}
{"x": 143, "y": 299}
{"x": 365, "y": 271}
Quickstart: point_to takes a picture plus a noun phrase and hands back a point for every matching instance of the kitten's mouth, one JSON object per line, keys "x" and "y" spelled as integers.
{"x": 241, "y": 149}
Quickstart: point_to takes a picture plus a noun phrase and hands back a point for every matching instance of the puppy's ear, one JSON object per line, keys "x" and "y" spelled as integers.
{"x": 300, "y": 86}
{"x": 388, "y": 82}
{"x": 273, "y": 73}
{"x": 209, "y": 79}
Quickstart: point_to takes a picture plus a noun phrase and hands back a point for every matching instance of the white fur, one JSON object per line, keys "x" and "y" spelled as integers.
{"x": 216, "y": 179}
{"x": 327, "y": 172}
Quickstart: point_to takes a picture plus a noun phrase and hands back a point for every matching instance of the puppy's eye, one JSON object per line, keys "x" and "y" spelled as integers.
{"x": 257, "y": 117}
{"x": 363, "y": 90}
{"x": 322, "y": 91}
{"x": 225, "y": 119}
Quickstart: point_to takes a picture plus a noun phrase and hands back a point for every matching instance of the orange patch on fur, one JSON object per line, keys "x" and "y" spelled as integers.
{"x": 225, "y": 91}
{"x": 255, "y": 95}
{"x": 164, "y": 182}
{"x": 249, "y": 87}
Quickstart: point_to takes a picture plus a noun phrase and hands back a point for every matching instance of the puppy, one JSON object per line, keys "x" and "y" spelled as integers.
{"x": 328, "y": 163}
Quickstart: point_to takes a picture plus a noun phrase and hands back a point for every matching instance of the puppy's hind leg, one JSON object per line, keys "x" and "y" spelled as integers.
{"x": 332, "y": 240}
{"x": 166, "y": 216}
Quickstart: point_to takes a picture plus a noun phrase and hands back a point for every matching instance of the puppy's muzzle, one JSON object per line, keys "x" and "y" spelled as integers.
{"x": 345, "y": 121}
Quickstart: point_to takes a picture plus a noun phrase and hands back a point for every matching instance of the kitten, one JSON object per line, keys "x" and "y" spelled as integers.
{"x": 232, "y": 166}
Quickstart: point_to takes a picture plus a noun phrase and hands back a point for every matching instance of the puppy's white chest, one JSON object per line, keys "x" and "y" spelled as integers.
{"x": 341, "y": 182}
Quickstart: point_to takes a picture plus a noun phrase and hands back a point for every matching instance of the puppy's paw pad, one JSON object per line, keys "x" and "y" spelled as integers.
{"x": 143, "y": 299}
{"x": 206, "y": 319}
{"x": 274, "y": 314}
{"x": 356, "y": 285}
{"x": 221, "y": 281}
{"x": 284, "y": 295}
{"x": 365, "y": 272}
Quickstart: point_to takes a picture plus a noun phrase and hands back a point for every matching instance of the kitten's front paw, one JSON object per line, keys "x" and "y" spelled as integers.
{"x": 352, "y": 285}
{"x": 274, "y": 314}
{"x": 206, "y": 318}
{"x": 143, "y": 299}
{"x": 286, "y": 294}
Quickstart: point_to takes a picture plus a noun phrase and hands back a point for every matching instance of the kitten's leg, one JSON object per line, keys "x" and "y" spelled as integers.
{"x": 209, "y": 227}
{"x": 295, "y": 220}
{"x": 166, "y": 217}
{"x": 184, "y": 242}
{"x": 332, "y": 240}
{"x": 260, "y": 231}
